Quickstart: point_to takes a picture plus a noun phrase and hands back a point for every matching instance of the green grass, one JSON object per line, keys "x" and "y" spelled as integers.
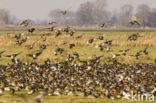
{"x": 7, "y": 42}
{"x": 8, "y": 98}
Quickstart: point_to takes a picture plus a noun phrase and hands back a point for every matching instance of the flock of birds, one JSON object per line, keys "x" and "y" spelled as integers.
{"x": 73, "y": 76}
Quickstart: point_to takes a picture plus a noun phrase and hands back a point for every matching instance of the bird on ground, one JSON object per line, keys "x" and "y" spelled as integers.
{"x": 100, "y": 37}
{"x": 71, "y": 32}
{"x": 71, "y": 46}
{"x": 108, "y": 42}
{"x": 67, "y": 29}
{"x": 44, "y": 46}
{"x": 90, "y": 41}
{"x": 134, "y": 37}
{"x": 58, "y": 32}
{"x": 57, "y": 50}
{"x": 78, "y": 37}
{"x": 21, "y": 41}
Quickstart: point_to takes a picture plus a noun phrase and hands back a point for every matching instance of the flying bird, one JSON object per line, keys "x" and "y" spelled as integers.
{"x": 35, "y": 55}
{"x": 25, "y": 23}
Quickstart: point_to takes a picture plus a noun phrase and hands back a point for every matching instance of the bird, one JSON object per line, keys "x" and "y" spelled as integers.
{"x": 43, "y": 37}
{"x": 52, "y": 28}
{"x": 31, "y": 46}
{"x": 52, "y": 23}
{"x": 71, "y": 46}
{"x": 37, "y": 99}
{"x": 31, "y": 30}
{"x": 145, "y": 51}
{"x": 2, "y": 53}
{"x": 18, "y": 36}
{"x": 134, "y": 37}
{"x": 66, "y": 29}
{"x": 114, "y": 55}
{"x": 108, "y": 42}
{"x": 78, "y": 37}
{"x": 63, "y": 12}
{"x": 134, "y": 21}
{"x": 71, "y": 32}
{"x": 35, "y": 55}
{"x": 25, "y": 23}
{"x": 44, "y": 46}
{"x": 102, "y": 25}
{"x": 100, "y": 37}
{"x": 124, "y": 52}
{"x": 137, "y": 54}
{"x": 90, "y": 41}
{"x": 58, "y": 32}
{"x": 13, "y": 55}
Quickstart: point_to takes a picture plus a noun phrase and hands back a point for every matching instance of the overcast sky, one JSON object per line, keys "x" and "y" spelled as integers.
{"x": 39, "y": 9}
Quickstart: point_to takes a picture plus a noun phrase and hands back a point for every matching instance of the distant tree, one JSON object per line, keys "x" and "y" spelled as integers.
{"x": 100, "y": 12}
{"x": 143, "y": 13}
{"x": 4, "y": 16}
{"x": 152, "y": 18}
{"x": 115, "y": 18}
{"x": 126, "y": 13}
{"x": 85, "y": 14}
{"x": 91, "y": 13}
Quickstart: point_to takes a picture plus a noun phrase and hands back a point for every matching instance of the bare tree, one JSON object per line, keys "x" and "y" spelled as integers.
{"x": 4, "y": 16}
{"x": 125, "y": 14}
{"x": 91, "y": 13}
{"x": 85, "y": 14}
{"x": 142, "y": 14}
{"x": 152, "y": 18}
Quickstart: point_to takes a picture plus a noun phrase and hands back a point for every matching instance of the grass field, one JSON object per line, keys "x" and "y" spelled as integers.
{"x": 7, "y": 98}
{"x": 7, "y": 42}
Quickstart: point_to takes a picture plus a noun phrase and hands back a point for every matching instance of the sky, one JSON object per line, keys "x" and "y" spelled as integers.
{"x": 39, "y": 9}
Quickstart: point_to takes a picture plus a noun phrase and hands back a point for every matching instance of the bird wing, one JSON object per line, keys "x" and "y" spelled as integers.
{"x": 17, "y": 53}
{"x": 38, "y": 53}
{"x": 30, "y": 55}
{"x": 8, "y": 56}
{"x": 2, "y": 52}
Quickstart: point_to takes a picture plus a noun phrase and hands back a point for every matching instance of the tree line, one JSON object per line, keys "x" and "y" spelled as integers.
{"x": 95, "y": 13}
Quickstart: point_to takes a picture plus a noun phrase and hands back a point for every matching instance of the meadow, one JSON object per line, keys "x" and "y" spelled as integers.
{"x": 119, "y": 42}
{"x": 8, "y": 43}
